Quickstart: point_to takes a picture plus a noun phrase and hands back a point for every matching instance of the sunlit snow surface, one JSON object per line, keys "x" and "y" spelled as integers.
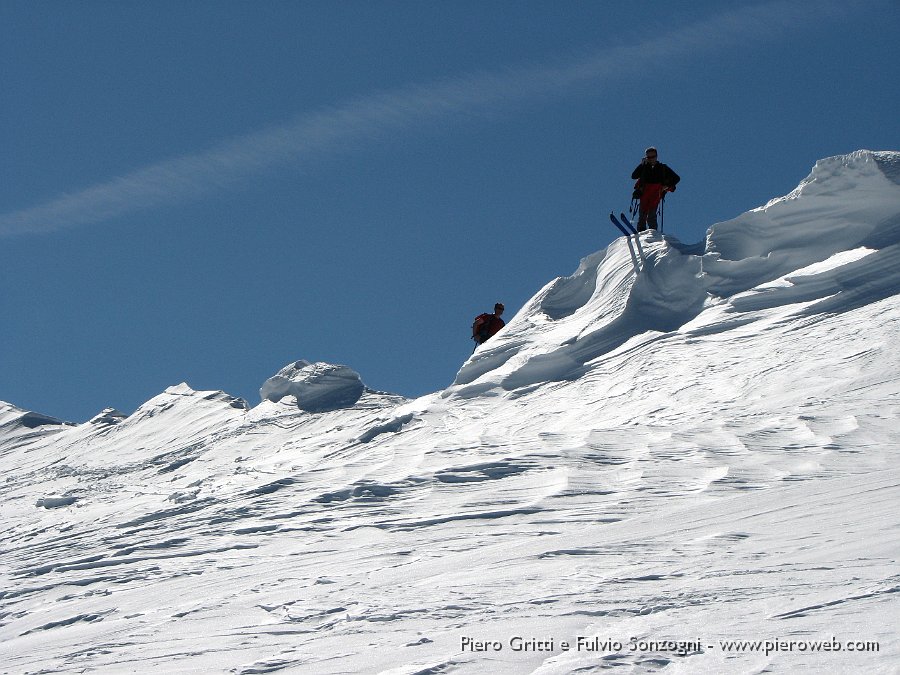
{"x": 704, "y": 452}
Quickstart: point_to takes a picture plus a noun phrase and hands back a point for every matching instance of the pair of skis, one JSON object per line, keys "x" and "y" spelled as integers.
{"x": 628, "y": 230}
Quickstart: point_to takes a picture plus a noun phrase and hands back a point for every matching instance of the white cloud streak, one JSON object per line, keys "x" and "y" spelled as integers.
{"x": 332, "y": 129}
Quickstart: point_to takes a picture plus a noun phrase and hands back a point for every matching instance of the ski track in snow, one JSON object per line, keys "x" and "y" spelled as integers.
{"x": 703, "y": 452}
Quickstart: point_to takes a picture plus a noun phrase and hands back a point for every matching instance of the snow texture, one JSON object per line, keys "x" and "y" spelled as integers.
{"x": 636, "y": 471}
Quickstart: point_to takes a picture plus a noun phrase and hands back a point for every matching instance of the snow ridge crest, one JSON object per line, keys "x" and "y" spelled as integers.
{"x": 848, "y": 203}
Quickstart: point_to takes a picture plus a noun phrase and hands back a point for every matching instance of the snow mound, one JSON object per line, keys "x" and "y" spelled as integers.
{"x": 180, "y": 398}
{"x": 599, "y": 309}
{"x": 108, "y": 416}
{"x": 12, "y": 417}
{"x": 318, "y": 387}
{"x": 846, "y": 202}
{"x": 55, "y": 502}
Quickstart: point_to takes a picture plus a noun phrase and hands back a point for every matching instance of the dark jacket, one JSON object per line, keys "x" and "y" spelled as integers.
{"x": 657, "y": 174}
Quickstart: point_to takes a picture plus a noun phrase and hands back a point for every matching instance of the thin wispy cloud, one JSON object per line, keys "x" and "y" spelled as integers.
{"x": 345, "y": 126}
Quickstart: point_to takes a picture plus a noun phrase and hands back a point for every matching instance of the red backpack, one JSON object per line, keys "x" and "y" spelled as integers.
{"x": 481, "y": 328}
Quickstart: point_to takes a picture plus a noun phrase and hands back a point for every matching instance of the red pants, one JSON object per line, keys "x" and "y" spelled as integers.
{"x": 651, "y": 195}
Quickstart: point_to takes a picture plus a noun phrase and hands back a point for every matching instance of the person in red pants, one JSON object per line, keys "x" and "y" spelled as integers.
{"x": 654, "y": 180}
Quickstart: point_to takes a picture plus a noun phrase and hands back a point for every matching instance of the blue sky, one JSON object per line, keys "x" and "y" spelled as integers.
{"x": 206, "y": 191}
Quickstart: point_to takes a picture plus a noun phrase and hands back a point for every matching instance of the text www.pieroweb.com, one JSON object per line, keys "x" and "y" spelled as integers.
{"x": 677, "y": 647}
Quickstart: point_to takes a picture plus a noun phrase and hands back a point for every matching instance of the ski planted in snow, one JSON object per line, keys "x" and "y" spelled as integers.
{"x": 627, "y": 223}
{"x": 637, "y": 238}
{"x": 615, "y": 221}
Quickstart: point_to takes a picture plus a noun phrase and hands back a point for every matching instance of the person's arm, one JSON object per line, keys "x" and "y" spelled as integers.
{"x": 476, "y": 327}
{"x": 672, "y": 179}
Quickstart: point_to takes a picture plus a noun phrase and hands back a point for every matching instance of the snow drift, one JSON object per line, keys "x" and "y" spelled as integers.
{"x": 317, "y": 387}
{"x": 653, "y": 472}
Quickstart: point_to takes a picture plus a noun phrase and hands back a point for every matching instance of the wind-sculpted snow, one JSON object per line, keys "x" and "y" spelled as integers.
{"x": 766, "y": 258}
{"x": 701, "y": 454}
{"x": 317, "y": 387}
{"x": 846, "y": 202}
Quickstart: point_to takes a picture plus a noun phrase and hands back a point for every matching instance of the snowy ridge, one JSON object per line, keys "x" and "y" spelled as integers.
{"x": 846, "y": 209}
{"x": 705, "y": 451}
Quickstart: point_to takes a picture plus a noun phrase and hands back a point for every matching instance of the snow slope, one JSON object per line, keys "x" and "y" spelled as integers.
{"x": 632, "y": 473}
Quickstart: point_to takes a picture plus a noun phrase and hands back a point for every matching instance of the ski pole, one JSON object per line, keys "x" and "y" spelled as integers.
{"x": 662, "y": 212}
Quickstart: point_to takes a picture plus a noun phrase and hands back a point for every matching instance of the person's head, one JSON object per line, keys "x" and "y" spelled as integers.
{"x": 651, "y": 154}
{"x": 498, "y": 308}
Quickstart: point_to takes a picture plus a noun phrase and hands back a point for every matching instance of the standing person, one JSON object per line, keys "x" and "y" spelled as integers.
{"x": 654, "y": 180}
{"x": 486, "y": 325}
